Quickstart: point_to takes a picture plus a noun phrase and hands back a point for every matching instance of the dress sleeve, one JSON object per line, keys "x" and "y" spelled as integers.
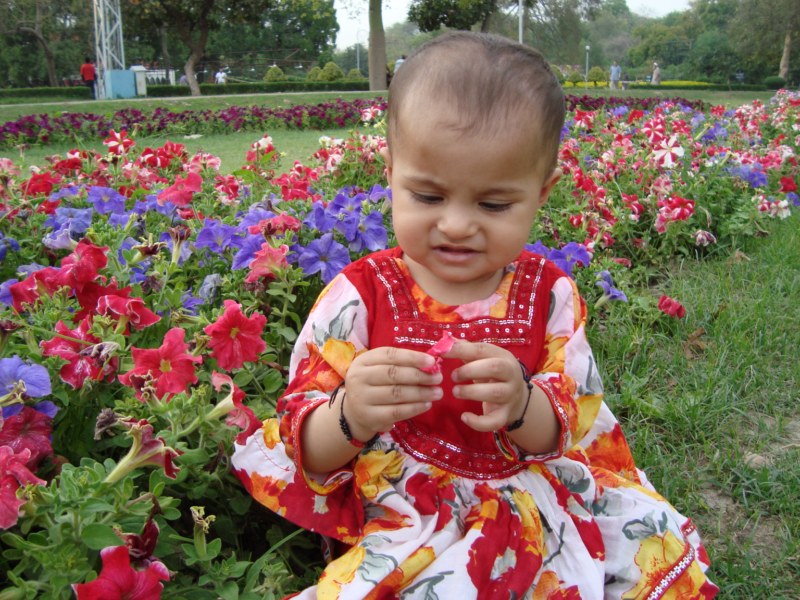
{"x": 566, "y": 373}
{"x": 334, "y": 333}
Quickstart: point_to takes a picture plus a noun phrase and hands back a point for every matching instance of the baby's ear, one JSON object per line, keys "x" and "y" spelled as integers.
{"x": 387, "y": 159}
{"x": 548, "y": 185}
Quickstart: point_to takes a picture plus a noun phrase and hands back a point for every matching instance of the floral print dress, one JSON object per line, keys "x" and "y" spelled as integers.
{"x": 435, "y": 509}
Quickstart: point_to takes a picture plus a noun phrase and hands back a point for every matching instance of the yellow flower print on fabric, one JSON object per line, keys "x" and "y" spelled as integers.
{"x": 657, "y": 557}
{"x": 373, "y": 469}
{"x": 340, "y": 572}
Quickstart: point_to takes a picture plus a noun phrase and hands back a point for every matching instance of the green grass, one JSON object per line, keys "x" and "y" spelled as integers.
{"x": 709, "y": 404}
{"x": 231, "y": 148}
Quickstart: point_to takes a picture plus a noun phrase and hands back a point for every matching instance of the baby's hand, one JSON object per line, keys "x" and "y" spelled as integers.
{"x": 386, "y": 385}
{"x": 497, "y": 382}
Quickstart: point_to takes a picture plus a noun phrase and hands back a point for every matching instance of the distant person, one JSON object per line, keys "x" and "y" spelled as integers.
{"x": 399, "y": 62}
{"x": 89, "y": 76}
{"x": 616, "y": 73}
{"x": 656, "y": 78}
{"x": 221, "y": 77}
{"x": 183, "y": 80}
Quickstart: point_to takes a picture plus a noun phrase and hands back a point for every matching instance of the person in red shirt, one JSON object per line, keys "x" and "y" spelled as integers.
{"x": 89, "y": 76}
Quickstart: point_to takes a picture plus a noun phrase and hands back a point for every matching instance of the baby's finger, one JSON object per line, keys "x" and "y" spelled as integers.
{"x": 489, "y": 422}
{"x": 491, "y": 392}
{"x": 402, "y": 357}
{"x": 389, "y": 395}
{"x": 390, "y": 414}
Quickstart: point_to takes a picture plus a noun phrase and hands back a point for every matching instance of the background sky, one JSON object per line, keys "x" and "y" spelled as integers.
{"x": 354, "y": 24}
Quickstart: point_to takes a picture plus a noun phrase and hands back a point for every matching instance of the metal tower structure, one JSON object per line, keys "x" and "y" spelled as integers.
{"x": 109, "y": 48}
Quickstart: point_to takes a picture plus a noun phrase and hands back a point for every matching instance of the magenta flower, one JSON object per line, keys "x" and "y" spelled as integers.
{"x": 13, "y": 475}
{"x": 119, "y": 581}
{"x": 90, "y": 361}
{"x": 235, "y": 338}
{"x": 170, "y": 366}
{"x": 145, "y": 451}
{"x": 238, "y": 415}
{"x": 28, "y": 428}
{"x": 267, "y": 263}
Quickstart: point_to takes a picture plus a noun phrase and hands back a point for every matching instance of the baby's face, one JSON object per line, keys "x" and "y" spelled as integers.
{"x": 462, "y": 204}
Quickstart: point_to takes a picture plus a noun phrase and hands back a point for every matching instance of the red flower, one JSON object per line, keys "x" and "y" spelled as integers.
{"x": 267, "y": 262}
{"x": 28, "y": 430}
{"x": 235, "y": 338}
{"x": 39, "y": 184}
{"x": 82, "y": 265}
{"x": 141, "y": 547}
{"x": 276, "y": 225}
{"x": 119, "y": 143}
{"x": 180, "y": 193}
{"x": 119, "y": 581}
{"x": 85, "y": 362}
{"x": 170, "y": 366}
{"x": 43, "y": 282}
{"x": 90, "y": 293}
{"x": 788, "y": 185}
{"x": 13, "y": 474}
{"x": 671, "y": 307}
{"x": 127, "y": 310}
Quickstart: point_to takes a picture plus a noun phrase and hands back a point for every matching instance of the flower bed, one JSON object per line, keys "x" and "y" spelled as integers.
{"x": 149, "y": 305}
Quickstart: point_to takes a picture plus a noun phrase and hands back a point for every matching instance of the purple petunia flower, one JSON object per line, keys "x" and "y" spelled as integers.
{"x": 35, "y": 377}
{"x": 69, "y": 191}
{"x": 208, "y": 289}
{"x": 610, "y": 293}
{"x": 325, "y": 256}
{"x": 247, "y": 251}
{"x": 5, "y": 244}
{"x": 753, "y": 174}
{"x": 59, "y": 239}
{"x": 538, "y": 248}
{"x": 319, "y": 218}
{"x": 217, "y": 236}
{"x": 5, "y": 291}
{"x": 77, "y": 220}
{"x": 365, "y": 232}
{"x": 106, "y": 200}
{"x": 254, "y": 216}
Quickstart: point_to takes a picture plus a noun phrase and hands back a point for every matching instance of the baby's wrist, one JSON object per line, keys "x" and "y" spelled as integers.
{"x": 352, "y": 431}
{"x": 525, "y": 401}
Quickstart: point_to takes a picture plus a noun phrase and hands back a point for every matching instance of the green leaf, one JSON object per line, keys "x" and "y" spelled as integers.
{"x": 229, "y": 591}
{"x": 98, "y": 536}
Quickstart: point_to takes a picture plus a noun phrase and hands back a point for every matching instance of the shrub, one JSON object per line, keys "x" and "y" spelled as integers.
{"x": 774, "y": 82}
{"x": 596, "y": 75}
{"x": 354, "y": 75}
{"x": 315, "y": 74}
{"x": 575, "y": 78}
{"x": 331, "y": 72}
{"x": 274, "y": 73}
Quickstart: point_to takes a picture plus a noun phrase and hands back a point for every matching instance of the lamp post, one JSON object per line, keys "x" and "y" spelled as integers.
{"x": 586, "y": 73}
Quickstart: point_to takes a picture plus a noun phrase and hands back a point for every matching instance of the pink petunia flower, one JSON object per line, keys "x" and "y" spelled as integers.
{"x": 13, "y": 475}
{"x": 182, "y": 191}
{"x": 118, "y": 580}
{"x": 82, "y": 265}
{"x": 238, "y": 414}
{"x": 127, "y": 310}
{"x": 235, "y": 338}
{"x": 170, "y": 366}
{"x": 267, "y": 262}
{"x": 90, "y": 361}
{"x": 29, "y": 429}
{"x": 670, "y": 306}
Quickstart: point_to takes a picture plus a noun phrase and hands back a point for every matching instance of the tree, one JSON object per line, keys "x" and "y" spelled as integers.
{"x": 377, "y": 47}
{"x": 194, "y": 21}
{"x": 431, "y": 15}
{"x": 60, "y": 28}
{"x": 768, "y": 31}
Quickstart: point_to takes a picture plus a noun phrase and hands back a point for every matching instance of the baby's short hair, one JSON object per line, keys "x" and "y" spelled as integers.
{"x": 492, "y": 84}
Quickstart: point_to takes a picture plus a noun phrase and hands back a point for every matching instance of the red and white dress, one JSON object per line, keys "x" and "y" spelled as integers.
{"x": 435, "y": 509}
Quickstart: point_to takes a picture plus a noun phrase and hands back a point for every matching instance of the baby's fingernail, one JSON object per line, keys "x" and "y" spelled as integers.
{"x": 437, "y": 393}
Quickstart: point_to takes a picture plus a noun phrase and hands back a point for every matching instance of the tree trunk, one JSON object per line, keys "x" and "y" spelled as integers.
{"x": 49, "y": 57}
{"x": 163, "y": 38}
{"x": 198, "y": 48}
{"x": 377, "y": 48}
{"x": 783, "y": 70}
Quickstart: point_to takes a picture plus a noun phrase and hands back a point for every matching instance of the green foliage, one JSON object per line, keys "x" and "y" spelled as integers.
{"x": 575, "y": 77}
{"x": 774, "y": 82}
{"x": 431, "y": 15}
{"x": 597, "y": 74}
{"x": 354, "y": 75}
{"x": 331, "y": 72}
{"x": 314, "y": 75}
{"x": 274, "y": 73}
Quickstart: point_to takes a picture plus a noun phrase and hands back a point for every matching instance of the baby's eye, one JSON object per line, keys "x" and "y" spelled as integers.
{"x": 425, "y": 198}
{"x": 495, "y": 206}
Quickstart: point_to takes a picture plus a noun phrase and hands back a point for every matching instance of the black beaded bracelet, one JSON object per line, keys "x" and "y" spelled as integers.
{"x": 518, "y": 423}
{"x": 345, "y": 426}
